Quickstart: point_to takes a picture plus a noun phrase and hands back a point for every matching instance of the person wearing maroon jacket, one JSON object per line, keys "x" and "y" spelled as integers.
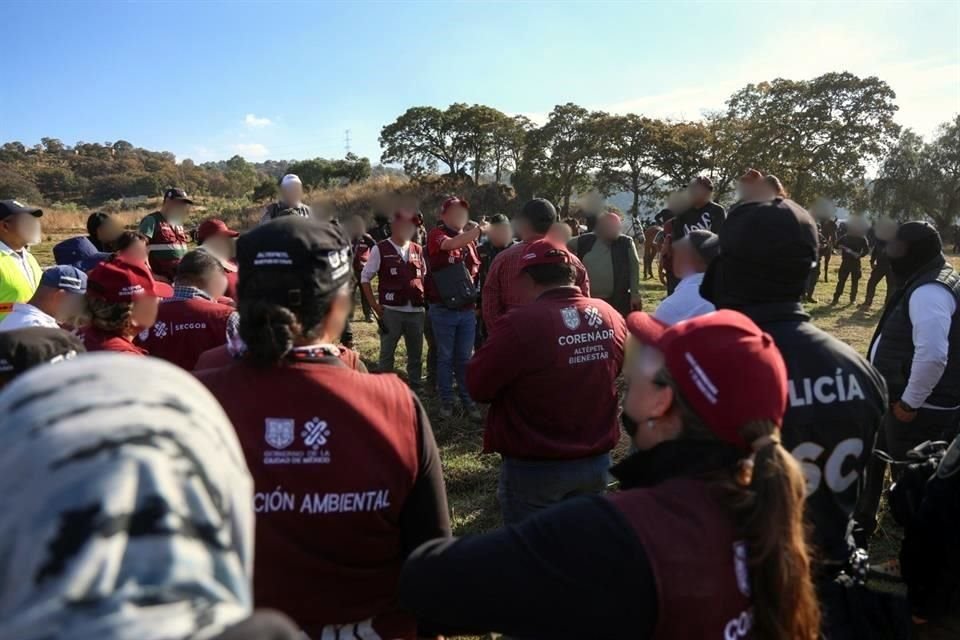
{"x": 705, "y": 539}
{"x": 216, "y": 237}
{"x": 361, "y": 244}
{"x": 346, "y": 470}
{"x": 504, "y": 287}
{"x": 453, "y": 245}
{"x": 121, "y": 301}
{"x": 549, "y": 374}
{"x": 192, "y": 321}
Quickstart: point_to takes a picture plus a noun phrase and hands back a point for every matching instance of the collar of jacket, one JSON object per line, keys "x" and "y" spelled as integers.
{"x": 774, "y": 312}
{"x": 674, "y": 459}
{"x": 559, "y": 293}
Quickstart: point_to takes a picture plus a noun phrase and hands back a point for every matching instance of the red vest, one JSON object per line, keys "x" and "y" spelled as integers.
{"x": 186, "y": 328}
{"x": 703, "y": 585}
{"x": 96, "y": 340}
{"x": 400, "y": 282}
{"x": 332, "y": 471}
{"x": 165, "y": 234}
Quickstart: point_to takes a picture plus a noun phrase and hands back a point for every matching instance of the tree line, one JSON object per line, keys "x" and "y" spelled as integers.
{"x": 92, "y": 173}
{"x": 822, "y": 137}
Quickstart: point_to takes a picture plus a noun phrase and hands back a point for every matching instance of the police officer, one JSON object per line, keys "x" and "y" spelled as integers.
{"x": 290, "y": 203}
{"x": 665, "y": 557}
{"x": 853, "y": 247}
{"x": 836, "y": 399}
{"x": 167, "y": 240}
{"x": 884, "y": 231}
{"x": 549, "y": 372}
{"x": 347, "y": 484}
{"x": 192, "y": 321}
{"x": 916, "y": 347}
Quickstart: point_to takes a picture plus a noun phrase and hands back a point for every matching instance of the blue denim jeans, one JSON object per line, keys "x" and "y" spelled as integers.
{"x": 453, "y": 335}
{"x": 529, "y": 486}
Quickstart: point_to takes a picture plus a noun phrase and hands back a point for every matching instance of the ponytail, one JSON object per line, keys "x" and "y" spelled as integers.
{"x": 770, "y": 516}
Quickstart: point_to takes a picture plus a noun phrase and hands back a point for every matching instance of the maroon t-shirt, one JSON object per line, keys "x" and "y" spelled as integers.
{"x": 96, "y": 340}
{"x": 549, "y": 372}
{"x": 332, "y": 473}
{"x": 438, "y": 259}
{"x": 185, "y": 328}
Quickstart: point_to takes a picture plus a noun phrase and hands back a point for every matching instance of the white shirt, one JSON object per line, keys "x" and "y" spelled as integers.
{"x": 21, "y": 258}
{"x": 373, "y": 267}
{"x": 27, "y": 315}
{"x": 931, "y": 313}
{"x": 685, "y": 302}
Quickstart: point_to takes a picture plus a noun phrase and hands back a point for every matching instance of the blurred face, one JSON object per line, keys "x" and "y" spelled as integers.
{"x": 108, "y": 231}
{"x": 23, "y": 229}
{"x": 356, "y": 226}
{"x": 685, "y": 262}
{"x": 223, "y": 246}
{"x": 402, "y": 230}
{"x": 292, "y": 193}
{"x": 499, "y": 234}
{"x": 699, "y": 194}
{"x": 175, "y": 211}
{"x": 136, "y": 252}
{"x": 144, "y": 312}
{"x": 648, "y": 401}
{"x": 218, "y": 285}
{"x": 608, "y": 227}
{"x": 749, "y": 190}
{"x": 69, "y": 307}
{"x": 559, "y": 233}
{"x": 456, "y": 217}
{"x": 678, "y": 202}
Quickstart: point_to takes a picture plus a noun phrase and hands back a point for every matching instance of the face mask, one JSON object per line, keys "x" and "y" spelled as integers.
{"x": 28, "y": 228}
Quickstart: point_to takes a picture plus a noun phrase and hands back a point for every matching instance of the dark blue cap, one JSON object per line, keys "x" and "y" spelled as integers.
{"x": 66, "y": 278}
{"x": 79, "y": 252}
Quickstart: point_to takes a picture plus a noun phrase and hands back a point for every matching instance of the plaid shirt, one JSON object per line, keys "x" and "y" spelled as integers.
{"x": 183, "y": 292}
{"x": 504, "y": 289}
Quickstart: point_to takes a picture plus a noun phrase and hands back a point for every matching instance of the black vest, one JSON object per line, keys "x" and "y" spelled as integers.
{"x": 621, "y": 268}
{"x": 894, "y": 354}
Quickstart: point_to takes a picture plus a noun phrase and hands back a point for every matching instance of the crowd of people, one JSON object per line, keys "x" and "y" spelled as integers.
{"x": 250, "y": 479}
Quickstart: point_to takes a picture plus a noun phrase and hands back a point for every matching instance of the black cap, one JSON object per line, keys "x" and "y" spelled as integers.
{"x": 12, "y": 207}
{"x": 705, "y": 243}
{"x": 23, "y": 349}
{"x": 499, "y": 219}
{"x": 917, "y": 231}
{"x": 315, "y": 253}
{"x": 177, "y": 194}
{"x": 770, "y": 234}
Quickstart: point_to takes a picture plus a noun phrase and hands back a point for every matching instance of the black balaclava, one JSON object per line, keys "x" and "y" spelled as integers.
{"x": 923, "y": 247}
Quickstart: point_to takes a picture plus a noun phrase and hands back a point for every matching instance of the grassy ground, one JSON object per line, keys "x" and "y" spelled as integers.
{"x": 471, "y": 477}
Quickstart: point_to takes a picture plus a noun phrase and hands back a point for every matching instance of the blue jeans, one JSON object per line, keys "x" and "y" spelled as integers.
{"x": 453, "y": 336}
{"x": 529, "y": 486}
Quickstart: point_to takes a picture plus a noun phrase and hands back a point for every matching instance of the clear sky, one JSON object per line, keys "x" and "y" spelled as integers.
{"x": 209, "y": 79}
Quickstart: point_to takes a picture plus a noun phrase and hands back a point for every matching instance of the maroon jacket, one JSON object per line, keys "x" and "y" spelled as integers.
{"x": 95, "y": 340}
{"x": 220, "y": 357}
{"x": 439, "y": 259}
{"x": 400, "y": 282}
{"x": 700, "y": 568}
{"x": 332, "y": 473}
{"x": 185, "y": 328}
{"x": 549, "y": 370}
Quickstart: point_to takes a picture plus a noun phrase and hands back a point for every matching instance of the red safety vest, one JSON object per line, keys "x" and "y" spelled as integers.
{"x": 703, "y": 585}
{"x": 186, "y": 328}
{"x": 399, "y": 282}
{"x": 332, "y": 472}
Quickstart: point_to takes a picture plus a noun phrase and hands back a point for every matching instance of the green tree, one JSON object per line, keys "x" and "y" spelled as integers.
{"x": 681, "y": 151}
{"x": 938, "y": 195}
{"x": 315, "y": 174}
{"x": 896, "y": 190}
{"x": 16, "y": 185}
{"x": 627, "y": 151}
{"x": 266, "y": 190}
{"x": 424, "y": 137}
{"x": 241, "y": 176}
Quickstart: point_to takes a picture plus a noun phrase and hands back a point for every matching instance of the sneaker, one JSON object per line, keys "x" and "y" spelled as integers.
{"x": 446, "y": 412}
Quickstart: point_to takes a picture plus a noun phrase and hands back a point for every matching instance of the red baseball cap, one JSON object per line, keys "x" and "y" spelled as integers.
{"x": 453, "y": 202}
{"x": 214, "y": 227}
{"x": 544, "y": 251}
{"x": 408, "y": 215}
{"x": 120, "y": 281}
{"x": 727, "y": 369}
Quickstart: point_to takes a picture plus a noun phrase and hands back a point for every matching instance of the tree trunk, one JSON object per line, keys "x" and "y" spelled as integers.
{"x": 565, "y": 211}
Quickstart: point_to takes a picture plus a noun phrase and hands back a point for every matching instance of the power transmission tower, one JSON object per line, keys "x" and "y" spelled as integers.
{"x": 347, "y": 141}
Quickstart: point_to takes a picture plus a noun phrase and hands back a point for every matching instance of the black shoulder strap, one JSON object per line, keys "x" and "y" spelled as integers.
{"x": 585, "y": 244}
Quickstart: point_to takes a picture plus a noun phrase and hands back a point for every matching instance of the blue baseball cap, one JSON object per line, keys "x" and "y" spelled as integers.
{"x": 79, "y": 252}
{"x": 65, "y": 278}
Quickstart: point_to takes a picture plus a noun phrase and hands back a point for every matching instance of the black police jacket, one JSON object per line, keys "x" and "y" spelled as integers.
{"x": 836, "y": 402}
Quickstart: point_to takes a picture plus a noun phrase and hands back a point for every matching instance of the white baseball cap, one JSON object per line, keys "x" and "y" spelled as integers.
{"x": 290, "y": 179}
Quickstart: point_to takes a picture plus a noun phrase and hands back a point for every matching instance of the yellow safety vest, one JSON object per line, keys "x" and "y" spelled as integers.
{"x": 14, "y": 286}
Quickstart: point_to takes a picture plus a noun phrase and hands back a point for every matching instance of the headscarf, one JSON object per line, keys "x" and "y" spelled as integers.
{"x": 125, "y": 508}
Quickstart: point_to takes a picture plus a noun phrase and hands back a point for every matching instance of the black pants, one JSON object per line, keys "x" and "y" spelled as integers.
{"x": 897, "y": 438}
{"x": 877, "y": 274}
{"x": 812, "y": 280}
{"x": 848, "y": 269}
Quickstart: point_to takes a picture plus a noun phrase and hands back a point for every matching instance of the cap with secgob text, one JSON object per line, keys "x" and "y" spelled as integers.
{"x": 214, "y": 227}
{"x": 12, "y": 207}
{"x": 315, "y": 253}
{"x": 23, "y": 349}
{"x": 544, "y": 252}
{"x": 177, "y": 194}
{"x": 727, "y": 369}
{"x": 65, "y": 278}
{"x": 120, "y": 281}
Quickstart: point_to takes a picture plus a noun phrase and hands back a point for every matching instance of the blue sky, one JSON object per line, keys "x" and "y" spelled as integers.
{"x": 209, "y": 79}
